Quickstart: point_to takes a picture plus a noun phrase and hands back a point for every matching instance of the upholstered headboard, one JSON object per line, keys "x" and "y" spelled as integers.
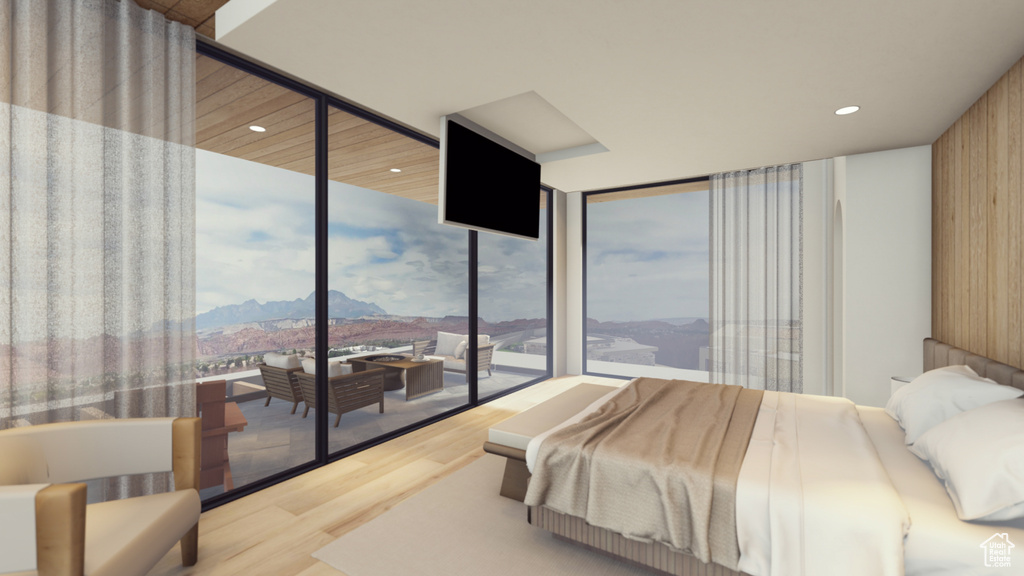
{"x": 938, "y": 354}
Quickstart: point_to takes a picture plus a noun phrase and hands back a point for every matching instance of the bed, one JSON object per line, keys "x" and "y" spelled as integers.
{"x": 832, "y": 523}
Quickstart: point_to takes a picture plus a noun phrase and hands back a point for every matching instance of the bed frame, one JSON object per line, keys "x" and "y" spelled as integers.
{"x": 663, "y": 560}
{"x": 938, "y": 354}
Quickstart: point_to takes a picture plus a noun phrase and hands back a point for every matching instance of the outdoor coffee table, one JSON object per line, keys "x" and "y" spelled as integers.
{"x": 418, "y": 378}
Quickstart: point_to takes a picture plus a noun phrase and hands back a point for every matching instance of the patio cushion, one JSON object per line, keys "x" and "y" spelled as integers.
{"x": 335, "y": 368}
{"x": 446, "y": 343}
{"x": 453, "y": 364}
{"x": 283, "y": 361}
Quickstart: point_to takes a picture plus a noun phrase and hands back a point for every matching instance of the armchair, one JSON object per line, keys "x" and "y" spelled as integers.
{"x": 48, "y": 527}
{"x": 345, "y": 392}
{"x": 280, "y": 381}
{"x": 452, "y": 349}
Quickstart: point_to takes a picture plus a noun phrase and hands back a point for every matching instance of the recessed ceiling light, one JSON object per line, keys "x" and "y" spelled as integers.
{"x": 257, "y": 128}
{"x": 847, "y": 110}
{"x": 396, "y": 169}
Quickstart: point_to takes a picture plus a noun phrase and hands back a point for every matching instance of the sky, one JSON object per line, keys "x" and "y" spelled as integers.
{"x": 254, "y": 240}
{"x": 648, "y": 258}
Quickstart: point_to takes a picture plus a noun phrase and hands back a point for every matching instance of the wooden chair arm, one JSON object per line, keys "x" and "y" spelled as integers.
{"x": 60, "y": 530}
{"x": 358, "y": 375}
{"x": 424, "y": 347}
{"x": 186, "y": 452}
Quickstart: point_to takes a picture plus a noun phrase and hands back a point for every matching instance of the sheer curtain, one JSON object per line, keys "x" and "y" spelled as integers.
{"x": 756, "y": 284}
{"x": 97, "y": 212}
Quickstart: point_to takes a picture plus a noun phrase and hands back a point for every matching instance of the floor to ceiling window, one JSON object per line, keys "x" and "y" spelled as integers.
{"x": 295, "y": 191}
{"x": 646, "y": 281}
{"x": 255, "y": 269}
{"x": 512, "y": 278}
{"x": 396, "y": 277}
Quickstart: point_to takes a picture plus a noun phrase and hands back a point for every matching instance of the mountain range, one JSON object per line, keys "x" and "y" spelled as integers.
{"x": 338, "y": 306}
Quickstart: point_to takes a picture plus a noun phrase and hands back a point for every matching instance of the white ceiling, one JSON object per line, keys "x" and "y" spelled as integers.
{"x": 673, "y": 88}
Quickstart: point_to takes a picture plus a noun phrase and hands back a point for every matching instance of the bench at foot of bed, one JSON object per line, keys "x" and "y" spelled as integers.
{"x": 510, "y": 438}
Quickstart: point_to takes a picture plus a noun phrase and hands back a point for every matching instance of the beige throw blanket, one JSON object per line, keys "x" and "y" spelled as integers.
{"x": 658, "y": 462}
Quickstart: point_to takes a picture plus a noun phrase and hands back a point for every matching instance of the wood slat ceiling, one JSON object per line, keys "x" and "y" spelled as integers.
{"x": 361, "y": 153}
{"x": 229, "y": 100}
{"x": 198, "y": 14}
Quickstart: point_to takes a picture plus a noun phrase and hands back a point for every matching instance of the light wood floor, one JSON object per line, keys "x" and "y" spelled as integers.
{"x": 275, "y": 531}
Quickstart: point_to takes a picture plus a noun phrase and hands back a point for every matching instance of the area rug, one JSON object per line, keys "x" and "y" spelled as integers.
{"x": 460, "y": 526}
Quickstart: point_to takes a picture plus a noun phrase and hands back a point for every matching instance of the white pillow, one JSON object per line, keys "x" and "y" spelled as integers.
{"x": 979, "y": 454}
{"x": 939, "y": 394}
{"x": 460, "y": 350}
{"x": 338, "y": 369}
{"x": 285, "y": 361}
{"x": 446, "y": 343}
{"x": 309, "y": 365}
{"x": 334, "y": 368}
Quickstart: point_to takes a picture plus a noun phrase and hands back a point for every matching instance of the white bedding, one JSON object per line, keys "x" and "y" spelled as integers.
{"x": 812, "y": 495}
{"x": 792, "y": 491}
{"x": 845, "y": 496}
{"x": 939, "y": 543}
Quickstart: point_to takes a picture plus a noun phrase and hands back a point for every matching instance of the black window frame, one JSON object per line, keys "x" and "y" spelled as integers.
{"x": 583, "y": 233}
{"x": 323, "y": 101}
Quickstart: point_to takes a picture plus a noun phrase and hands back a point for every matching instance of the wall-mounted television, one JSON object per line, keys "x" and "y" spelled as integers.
{"x": 486, "y": 182}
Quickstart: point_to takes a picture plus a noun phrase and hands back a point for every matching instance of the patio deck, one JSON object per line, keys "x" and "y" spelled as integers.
{"x": 275, "y": 440}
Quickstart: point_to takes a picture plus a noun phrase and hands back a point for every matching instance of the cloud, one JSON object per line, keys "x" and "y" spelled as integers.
{"x": 254, "y": 239}
{"x": 648, "y": 258}
{"x": 253, "y": 232}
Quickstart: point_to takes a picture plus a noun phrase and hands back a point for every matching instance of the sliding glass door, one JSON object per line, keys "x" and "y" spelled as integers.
{"x": 255, "y": 271}
{"x": 318, "y": 247}
{"x": 396, "y": 278}
{"x": 512, "y": 280}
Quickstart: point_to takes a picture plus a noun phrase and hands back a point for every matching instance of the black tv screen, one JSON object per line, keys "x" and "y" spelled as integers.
{"x": 486, "y": 185}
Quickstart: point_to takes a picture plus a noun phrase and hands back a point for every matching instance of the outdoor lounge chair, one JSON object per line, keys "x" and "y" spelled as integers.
{"x": 281, "y": 383}
{"x": 446, "y": 348}
{"x": 346, "y": 392}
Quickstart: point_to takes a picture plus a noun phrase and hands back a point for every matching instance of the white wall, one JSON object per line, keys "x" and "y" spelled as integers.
{"x": 887, "y": 270}
{"x": 574, "y": 283}
{"x": 836, "y": 303}
{"x": 817, "y": 202}
{"x": 558, "y": 305}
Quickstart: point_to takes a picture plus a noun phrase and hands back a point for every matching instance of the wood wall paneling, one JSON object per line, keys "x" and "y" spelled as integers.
{"x": 978, "y": 253}
{"x": 1014, "y": 207}
{"x": 952, "y": 217}
{"x": 977, "y": 215}
{"x": 997, "y": 121}
{"x": 962, "y": 244}
{"x": 938, "y": 257}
